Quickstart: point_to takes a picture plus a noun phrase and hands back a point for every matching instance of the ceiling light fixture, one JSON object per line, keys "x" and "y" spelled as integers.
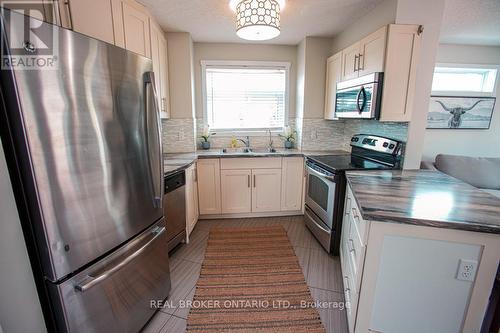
{"x": 257, "y": 19}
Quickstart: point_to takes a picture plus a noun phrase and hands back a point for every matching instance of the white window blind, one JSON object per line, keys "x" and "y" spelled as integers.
{"x": 464, "y": 79}
{"x": 245, "y": 98}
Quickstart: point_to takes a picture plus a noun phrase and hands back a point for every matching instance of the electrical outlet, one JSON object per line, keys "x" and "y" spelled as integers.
{"x": 180, "y": 135}
{"x": 466, "y": 270}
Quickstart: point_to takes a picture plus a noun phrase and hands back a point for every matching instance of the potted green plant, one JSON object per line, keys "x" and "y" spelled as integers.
{"x": 288, "y": 137}
{"x": 206, "y": 135}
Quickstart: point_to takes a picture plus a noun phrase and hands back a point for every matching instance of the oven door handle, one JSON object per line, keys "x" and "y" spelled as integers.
{"x": 319, "y": 174}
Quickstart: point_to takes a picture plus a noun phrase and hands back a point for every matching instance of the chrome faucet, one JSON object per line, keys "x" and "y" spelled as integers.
{"x": 271, "y": 148}
{"x": 246, "y": 143}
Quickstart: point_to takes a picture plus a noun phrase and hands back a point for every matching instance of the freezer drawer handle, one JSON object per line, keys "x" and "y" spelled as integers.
{"x": 91, "y": 281}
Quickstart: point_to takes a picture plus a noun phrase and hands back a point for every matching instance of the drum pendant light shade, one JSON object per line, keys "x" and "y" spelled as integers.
{"x": 258, "y": 19}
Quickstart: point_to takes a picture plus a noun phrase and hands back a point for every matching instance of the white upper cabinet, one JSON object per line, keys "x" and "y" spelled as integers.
{"x": 372, "y": 52}
{"x": 266, "y": 193}
{"x": 93, "y": 18}
{"x": 47, "y": 10}
{"x": 350, "y": 58}
{"x": 333, "y": 75}
{"x": 366, "y": 56}
{"x": 292, "y": 179}
{"x": 236, "y": 191}
{"x": 403, "y": 50}
{"x": 393, "y": 50}
{"x": 165, "y": 83}
{"x": 131, "y": 24}
{"x": 160, "y": 68}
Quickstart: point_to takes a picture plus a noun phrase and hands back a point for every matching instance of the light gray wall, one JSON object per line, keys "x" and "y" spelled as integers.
{"x": 317, "y": 51}
{"x": 179, "y": 132}
{"x": 301, "y": 72}
{"x": 383, "y": 14}
{"x": 477, "y": 143}
{"x": 244, "y": 52}
{"x": 180, "y": 60}
{"x": 20, "y": 309}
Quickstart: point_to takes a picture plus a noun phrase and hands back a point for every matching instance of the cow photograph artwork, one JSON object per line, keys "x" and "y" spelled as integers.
{"x": 451, "y": 112}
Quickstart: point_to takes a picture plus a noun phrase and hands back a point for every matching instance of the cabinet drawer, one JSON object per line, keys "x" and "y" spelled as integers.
{"x": 350, "y": 292}
{"x": 356, "y": 250}
{"x": 355, "y": 214}
{"x": 250, "y": 163}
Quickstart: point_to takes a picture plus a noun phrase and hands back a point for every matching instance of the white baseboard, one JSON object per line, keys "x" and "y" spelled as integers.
{"x": 246, "y": 215}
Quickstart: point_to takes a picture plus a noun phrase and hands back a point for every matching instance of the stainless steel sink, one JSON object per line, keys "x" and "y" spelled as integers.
{"x": 249, "y": 151}
{"x": 237, "y": 150}
{"x": 265, "y": 151}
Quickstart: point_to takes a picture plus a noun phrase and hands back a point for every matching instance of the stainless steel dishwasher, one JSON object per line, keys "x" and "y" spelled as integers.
{"x": 174, "y": 203}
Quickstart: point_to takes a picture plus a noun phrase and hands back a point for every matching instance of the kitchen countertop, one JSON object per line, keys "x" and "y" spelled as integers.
{"x": 176, "y": 162}
{"x": 218, "y": 153}
{"x": 424, "y": 197}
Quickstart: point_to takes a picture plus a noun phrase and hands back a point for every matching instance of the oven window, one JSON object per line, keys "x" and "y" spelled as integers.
{"x": 318, "y": 191}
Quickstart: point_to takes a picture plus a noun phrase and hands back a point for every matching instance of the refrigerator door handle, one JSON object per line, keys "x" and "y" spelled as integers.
{"x": 151, "y": 109}
{"x": 92, "y": 280}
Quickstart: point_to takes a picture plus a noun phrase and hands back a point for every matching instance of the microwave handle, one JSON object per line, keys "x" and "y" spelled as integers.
{"x": 363, "y": 105}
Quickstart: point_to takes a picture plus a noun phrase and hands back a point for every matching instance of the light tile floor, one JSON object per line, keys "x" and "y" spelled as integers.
{"x": 321, "y": 271}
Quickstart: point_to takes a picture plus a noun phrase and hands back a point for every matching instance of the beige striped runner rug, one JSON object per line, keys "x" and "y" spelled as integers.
{"x": 251, "y": 281}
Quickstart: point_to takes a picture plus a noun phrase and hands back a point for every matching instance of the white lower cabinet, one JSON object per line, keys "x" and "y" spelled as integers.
{"x": 266, "y": 190}
{"x": 209, "y": 186}
{"x": 191, "y": 199}
{"x": 251, "y": 186}
{"x": 403, "y": 278}
{"x": 236, "y": 191}
{"x": 292, "y": 180}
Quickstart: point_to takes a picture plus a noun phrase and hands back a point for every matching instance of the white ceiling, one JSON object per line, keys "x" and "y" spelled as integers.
{"x": 213, "y": 20}
{"x": 471, "y": 22}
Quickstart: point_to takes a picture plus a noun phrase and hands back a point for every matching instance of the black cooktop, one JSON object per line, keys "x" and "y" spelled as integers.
{"x": 336, "y": 163}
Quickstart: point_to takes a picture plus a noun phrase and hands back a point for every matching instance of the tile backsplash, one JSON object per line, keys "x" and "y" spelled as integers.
{"x": 319, "y": 134}
{"x": 182, "y": 135}
{"x": 178, "y": 135}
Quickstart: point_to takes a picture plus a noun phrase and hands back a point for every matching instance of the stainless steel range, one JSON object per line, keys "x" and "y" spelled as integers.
{"x": 326, "y": 183}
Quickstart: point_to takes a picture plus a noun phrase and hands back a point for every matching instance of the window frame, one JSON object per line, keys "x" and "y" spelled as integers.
{"x": 468, "y": 93}
{"x": 229, "y": 64}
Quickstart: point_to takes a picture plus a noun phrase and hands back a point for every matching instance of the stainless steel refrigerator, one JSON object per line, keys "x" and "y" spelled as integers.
{"x": 83, "y": 143}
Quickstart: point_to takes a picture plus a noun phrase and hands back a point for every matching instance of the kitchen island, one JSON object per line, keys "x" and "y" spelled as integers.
{"x": 419, "y": 253}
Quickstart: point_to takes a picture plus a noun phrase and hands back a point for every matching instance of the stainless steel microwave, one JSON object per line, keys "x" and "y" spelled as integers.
{"x": 360, "y": 97}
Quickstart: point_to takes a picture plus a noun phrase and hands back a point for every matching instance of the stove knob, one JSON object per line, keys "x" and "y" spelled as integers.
{"x": 385, "y": 145}
{"x": 391, "y": 146}
{"x": 364, "y": 141}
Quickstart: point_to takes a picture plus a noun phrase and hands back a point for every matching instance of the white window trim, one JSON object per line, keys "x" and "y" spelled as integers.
{"x": 238, "y": 64}
{"x": 468, "y": 93}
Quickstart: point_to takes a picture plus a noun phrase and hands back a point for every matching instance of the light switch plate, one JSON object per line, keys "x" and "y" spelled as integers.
{"x": 466, "y": 270}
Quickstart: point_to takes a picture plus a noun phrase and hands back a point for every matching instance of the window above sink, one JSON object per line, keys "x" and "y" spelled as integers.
{"x": 245, "y": 97}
